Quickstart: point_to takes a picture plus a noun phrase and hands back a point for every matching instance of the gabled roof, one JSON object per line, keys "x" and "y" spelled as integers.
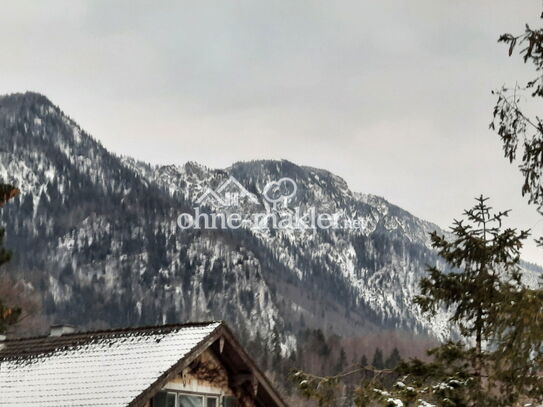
{"x": 241, "y": 189}
{"x": 115, "y": 368}
{"x": 212, "y": 196}
{"x": 218, "y": 196}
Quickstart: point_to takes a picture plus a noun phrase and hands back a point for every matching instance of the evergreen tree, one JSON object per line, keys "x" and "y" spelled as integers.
{"x": 276, "y": 347}
{"x": 485, "y": 268}
{"x": 342, "y": 361}
{"x": 8, "y": 315}
{"x": 363, "y": 361}
{"x": 394, "y": 359}
{"x": 478, "y": 288}
{"x": 378, "y": 361}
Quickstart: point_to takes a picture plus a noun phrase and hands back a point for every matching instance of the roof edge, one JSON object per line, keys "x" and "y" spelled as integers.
{"x": 120, "y": 330}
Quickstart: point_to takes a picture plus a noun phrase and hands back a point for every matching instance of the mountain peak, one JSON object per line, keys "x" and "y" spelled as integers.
{"x": 26, "y": 104}
{"x": 28, "y": 97}
{"x": 193, "y": 167}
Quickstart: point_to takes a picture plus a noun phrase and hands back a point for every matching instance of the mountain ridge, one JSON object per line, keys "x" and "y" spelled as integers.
{"x": 107, "y": 250}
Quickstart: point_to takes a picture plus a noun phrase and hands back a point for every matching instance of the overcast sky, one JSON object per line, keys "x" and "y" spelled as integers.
{"x": 394, "y": 96}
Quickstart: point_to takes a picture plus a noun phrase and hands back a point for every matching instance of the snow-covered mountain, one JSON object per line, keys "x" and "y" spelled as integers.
{"x": 97, "y": 235}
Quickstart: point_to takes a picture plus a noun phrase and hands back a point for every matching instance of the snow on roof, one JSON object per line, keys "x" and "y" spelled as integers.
{"x": 109, "y": 368}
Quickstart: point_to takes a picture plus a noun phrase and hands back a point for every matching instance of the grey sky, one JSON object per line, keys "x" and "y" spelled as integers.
{"x": 394, "y": 96}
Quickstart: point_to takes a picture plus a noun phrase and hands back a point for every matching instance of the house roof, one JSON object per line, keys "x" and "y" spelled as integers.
{"x": 114, "y": 368}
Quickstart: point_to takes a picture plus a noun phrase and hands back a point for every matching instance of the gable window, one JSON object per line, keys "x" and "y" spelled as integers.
{"x": 171, "y": 399}
{"x": 186, "y": 400}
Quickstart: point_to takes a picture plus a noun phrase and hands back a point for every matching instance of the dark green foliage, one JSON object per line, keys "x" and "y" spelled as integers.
{"x": 485, "y": 274}
{"x": 519, "y": 353}
{"x": 378, "y": 361}
{"x": 8, "y": 315}
{"x": 342, "y": 361}
{"x": 321, "y": 389}
{"x": 520, "y": 132}
{"x": 394, "y": 359}
{"x": 363, "y": 361}
{"x": 447, "y": 380}
{"x": 485, "y": 260}
{"x": 5, "y": 255}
